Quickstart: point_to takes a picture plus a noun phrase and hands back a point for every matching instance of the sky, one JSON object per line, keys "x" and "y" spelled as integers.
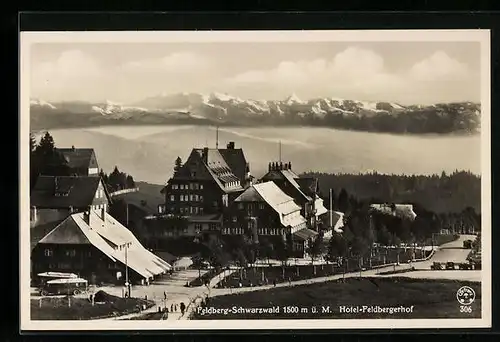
{"x": 402, "y": 72}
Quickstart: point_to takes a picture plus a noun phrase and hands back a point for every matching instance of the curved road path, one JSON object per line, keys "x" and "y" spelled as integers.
{"x": 177, "y": 292}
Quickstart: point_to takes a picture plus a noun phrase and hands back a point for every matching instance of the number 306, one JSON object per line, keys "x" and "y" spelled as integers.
{"x": 465, "y": 308}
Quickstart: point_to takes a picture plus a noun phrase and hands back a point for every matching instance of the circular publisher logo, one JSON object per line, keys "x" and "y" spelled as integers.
{"x": 466, "y": 295}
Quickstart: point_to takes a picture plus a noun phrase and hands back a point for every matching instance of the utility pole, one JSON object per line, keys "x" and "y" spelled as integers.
{"x": 331, "y": 209}
{"x": 217, "y": 137}
{"x": 126, "y": 203}
{"x": 279, "y": 154}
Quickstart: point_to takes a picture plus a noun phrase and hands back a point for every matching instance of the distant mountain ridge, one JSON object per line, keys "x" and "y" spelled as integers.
{"x": 224, "y": 109}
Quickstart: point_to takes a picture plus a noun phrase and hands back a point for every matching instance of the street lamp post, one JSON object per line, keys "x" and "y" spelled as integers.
{"x": 127, "y": 284}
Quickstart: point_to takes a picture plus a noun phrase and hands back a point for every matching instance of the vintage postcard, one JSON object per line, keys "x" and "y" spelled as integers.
{"x": 255, "y": 180}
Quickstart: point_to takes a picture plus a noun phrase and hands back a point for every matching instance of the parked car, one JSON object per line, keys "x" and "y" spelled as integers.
{"x": 450, "y": 265}
{"x": 64, "y": 286}
{"x": 436, "y": 266}
{"x": 468, "y": 244}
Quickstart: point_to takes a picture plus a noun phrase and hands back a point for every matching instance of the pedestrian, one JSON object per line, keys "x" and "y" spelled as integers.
{"x": 165, "y": 294}
{"x": 175, "y": 307}
{"x": 274, "y": 282}
{"x": 183, "y": 308}
{"x": 172, "y": 307}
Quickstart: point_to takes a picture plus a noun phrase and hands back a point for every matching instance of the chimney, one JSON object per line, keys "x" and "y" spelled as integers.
{"x": 281, "y": 166}
{"x": 230, "y": 145}
{"x": 289, "y": 165}
{"x": 269, "y": 166}
{"x": 71, "y": 209}
{"x": 103, "y": 214}
{"x": 86, "y": 216}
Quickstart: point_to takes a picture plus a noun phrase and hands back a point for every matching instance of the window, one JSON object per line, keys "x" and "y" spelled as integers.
{"x": 235, "y": 219}
{"x": 195, "y": 198}
{"x": 161, "y": 209}
{"x": 186, "y": 198}
{"x": 196, "y": 186}
{"x": 201, "y": 186}
{"x": 71, "y": 253}
{"x": 200, "y": 211}
{"x": 261, "y": 206}
{"x": 185, "y": 230}
{"x": 196, "y": 210}
{"x": 52, "y": 266}
{"x": 49, "y": 252}
{"x": 181, "y": 186}
{"x": 89, "y": 253}
{"x": 63, "y": 266}
{"x": 172, "y": 198}
{"x": 212, "y": 226}
{"x": 175, "y": 186}
{"x": 193, "y": 174}
{"x": 197, "y": 227}
{"x": 241, "y": 206}
{"x": 200, "y": 198}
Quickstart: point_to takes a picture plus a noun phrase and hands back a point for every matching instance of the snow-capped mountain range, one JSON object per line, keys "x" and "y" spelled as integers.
{"x": 225, "y": 108}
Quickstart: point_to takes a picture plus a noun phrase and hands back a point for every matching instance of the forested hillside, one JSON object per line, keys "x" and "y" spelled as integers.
{"x": 438, "y": 193}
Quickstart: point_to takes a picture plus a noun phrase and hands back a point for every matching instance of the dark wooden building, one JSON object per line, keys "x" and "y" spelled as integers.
{"x": 81, "y": 161}
{"x": 264, "y": 210}
{"x": 53, "y": 198}
{"x": 304, "y": 190}
{"x": 97, "y": 247}
{"x": 203, "y": 188}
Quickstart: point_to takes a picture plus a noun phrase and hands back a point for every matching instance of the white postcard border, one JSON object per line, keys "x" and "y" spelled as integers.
{"x": 29, "y": 38}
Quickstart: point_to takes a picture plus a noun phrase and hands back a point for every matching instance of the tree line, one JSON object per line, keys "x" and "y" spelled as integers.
{"x": 117, "y": 180}
{"x": 444, "y": 193}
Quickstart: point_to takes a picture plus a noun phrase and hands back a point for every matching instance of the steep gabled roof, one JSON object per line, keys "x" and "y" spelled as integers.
{"x": 105, "y": 235}
{"x": 219, "y": 169}
{"x": 236, "y": 161}
{"x": 64, "y": 191}
{"x": 292, "y": 177}
{"x": 77, "y": 157}
{"x": 283, "y": 204}
{"x": 308, "y": 185}
{"x": 67, "y": 232}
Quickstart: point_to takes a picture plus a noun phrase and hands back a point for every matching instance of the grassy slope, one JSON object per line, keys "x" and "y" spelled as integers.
{"x": 54, "y": 308}
{"x": 431, "y": 298}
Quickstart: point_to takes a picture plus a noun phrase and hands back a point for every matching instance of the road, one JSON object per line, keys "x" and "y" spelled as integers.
{"x": 177, "y": 292}
{"x": 452, "y": 251}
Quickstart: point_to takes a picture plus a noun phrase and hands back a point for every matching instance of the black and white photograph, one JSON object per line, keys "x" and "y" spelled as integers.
{"x": 255, "y": 180}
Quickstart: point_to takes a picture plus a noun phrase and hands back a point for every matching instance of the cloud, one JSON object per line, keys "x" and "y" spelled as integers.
{"x": 438, "y": 66}
{"x": 356, "y": 73}
{"x": 70, "y": 66}
{"x": 178, "y": 62}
